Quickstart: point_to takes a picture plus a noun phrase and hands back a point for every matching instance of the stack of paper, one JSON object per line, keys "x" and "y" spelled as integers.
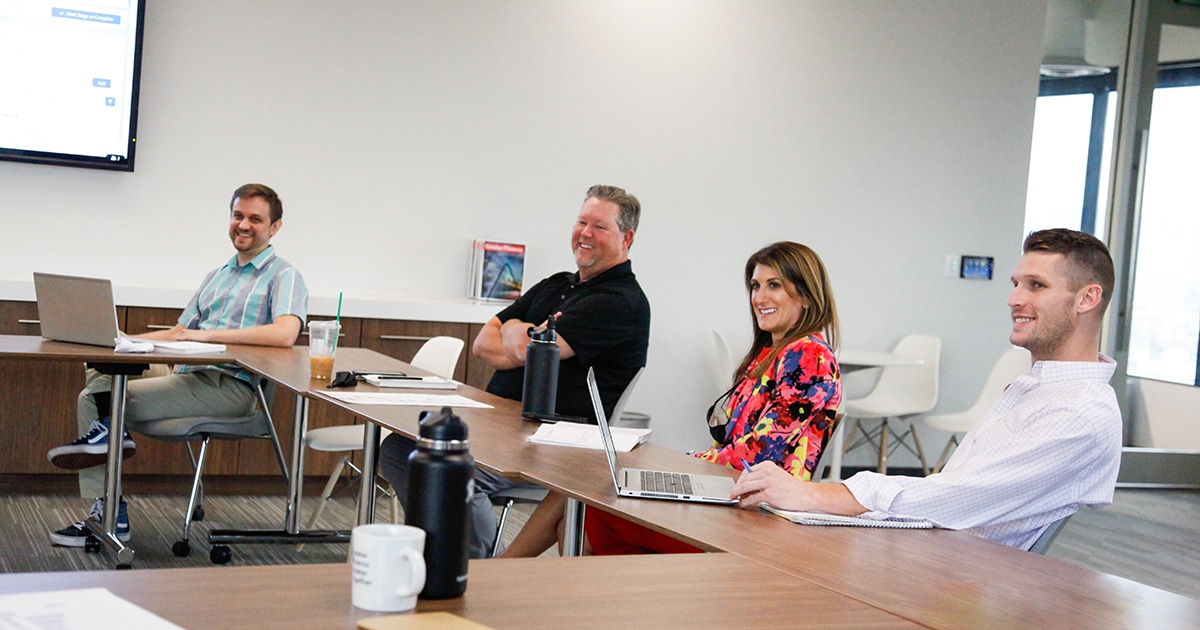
{"x": 588, "y": 436}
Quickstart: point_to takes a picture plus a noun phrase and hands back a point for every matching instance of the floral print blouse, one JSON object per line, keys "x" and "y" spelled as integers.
{"x": 787, "y": 415}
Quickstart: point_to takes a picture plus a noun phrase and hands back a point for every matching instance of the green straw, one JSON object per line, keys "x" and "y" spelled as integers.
{"x": 337, "y": 319}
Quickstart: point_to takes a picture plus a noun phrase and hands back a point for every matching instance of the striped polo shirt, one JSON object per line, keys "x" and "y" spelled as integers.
{"x": 243, "y": 296}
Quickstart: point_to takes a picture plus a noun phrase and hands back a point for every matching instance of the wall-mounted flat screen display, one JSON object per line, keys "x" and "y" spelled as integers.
{"x": 69, "y": 81}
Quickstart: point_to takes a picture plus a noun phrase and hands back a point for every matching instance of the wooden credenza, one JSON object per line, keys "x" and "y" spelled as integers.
{"x": 38, "y": 398}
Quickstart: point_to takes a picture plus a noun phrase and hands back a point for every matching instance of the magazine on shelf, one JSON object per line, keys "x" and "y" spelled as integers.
{"x": 497, "y": 270}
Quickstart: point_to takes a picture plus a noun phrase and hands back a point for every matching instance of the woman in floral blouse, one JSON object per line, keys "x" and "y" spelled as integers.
{"x": 787, "y": 389}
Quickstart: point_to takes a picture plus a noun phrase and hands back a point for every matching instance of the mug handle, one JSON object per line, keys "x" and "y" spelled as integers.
{"x": 416, "y": 565}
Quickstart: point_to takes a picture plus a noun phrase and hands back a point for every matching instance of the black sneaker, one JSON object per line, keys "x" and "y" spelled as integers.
{"x": 89, "y": 450}
{"x": 77, "y": 534}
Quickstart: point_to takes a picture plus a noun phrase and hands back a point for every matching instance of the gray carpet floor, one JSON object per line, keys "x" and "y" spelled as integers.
{"x": 1149, "y": 536}
{"x": 156, "y": 523}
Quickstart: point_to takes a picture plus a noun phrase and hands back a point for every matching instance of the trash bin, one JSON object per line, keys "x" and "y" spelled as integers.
{"x": 634, "y": 420}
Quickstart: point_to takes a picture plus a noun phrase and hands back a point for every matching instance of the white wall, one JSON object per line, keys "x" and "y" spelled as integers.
{"x": 886, "y": 135}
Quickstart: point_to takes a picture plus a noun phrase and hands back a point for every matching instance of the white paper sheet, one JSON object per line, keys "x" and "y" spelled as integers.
{"x": 80, "y": 609}
{"x": 417, "y": 400}
{"x": 588, "y": 436}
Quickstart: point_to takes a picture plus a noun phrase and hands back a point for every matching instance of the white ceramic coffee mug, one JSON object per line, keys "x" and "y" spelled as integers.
{"x": 387, "y": 566}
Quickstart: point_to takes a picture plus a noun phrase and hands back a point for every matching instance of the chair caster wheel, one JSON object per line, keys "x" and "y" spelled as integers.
{"x": 220, "y": 554}
{"x": 198, "y": 513}
{"x": 181, "y": 549}
{"x": 91, "y": 545}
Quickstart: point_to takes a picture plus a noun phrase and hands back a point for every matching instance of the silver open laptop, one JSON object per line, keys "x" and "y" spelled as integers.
{"x": 656, "y": 484}
{"x": 78, "y": 310}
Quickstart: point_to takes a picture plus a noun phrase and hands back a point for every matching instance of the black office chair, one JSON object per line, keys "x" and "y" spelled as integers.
{"x": 830, "y": 445}
{"x": 1042, "y": 545}
{"x": 257, "y": 424}
{"x": 506, "y": 499}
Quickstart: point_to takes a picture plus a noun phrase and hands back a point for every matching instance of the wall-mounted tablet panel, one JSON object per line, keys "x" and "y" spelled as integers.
{"x": 977, "y": 267}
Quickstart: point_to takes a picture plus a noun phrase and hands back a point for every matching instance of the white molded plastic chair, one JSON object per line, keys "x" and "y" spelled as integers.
{"x": 438, "y": 355}
{"x": 901, "y": 392}
{"x": 724, "y": 366}
{"x": 509, "y": 497}
{"x": 1012, "y": 364}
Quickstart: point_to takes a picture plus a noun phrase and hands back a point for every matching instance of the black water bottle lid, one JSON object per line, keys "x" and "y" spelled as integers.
{"x": 442, "y": 431}
{"x": 544, "y": 334}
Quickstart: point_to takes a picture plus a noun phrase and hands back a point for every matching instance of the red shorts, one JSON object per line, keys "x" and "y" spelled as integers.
{"x": 611, "y": 535}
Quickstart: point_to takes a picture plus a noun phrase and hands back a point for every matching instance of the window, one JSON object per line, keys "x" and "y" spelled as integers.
{"x": 1165, "y": 326}
{"x": 1068, "y": 185}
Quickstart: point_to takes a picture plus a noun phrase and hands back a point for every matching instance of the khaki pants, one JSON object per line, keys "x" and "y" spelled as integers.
{"x": 158, "y": 394}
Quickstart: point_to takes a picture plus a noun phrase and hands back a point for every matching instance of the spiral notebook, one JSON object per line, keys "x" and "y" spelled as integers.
{"x": 821, "y": 518}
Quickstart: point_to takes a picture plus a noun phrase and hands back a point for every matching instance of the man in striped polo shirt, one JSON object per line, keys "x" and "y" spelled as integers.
{"x": 256, "y": 298}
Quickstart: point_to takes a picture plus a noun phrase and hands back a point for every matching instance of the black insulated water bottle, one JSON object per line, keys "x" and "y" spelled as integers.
{"x": 441, "y": 480}
{"x": 539, "y": 393}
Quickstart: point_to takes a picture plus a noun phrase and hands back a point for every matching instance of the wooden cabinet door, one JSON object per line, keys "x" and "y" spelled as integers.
{"x": 478, "y": 372}
{"x": 402, "y": 338}
{"x": 140, "y": 320}
{"x": 19, "y": 318}
{"x": 37, "y": 398}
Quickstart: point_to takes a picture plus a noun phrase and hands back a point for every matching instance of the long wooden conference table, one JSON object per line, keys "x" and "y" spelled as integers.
{"x": 933, "y": 578}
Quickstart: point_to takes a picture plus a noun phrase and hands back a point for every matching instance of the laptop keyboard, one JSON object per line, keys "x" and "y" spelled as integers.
{"x": 676, "y": 483}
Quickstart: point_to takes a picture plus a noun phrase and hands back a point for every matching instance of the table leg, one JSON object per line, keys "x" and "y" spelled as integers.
{"x": 366, "y": 483}
{"x": 106, "y": 532}
{"x": 573, "y": 512}
{"x": 291, "y": 520}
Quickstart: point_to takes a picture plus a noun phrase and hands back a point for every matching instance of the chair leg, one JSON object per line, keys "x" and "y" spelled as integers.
{"x": 194, "y": 497}
{"x": 197, "y": 495}
{"x": 848, "y": 441}
{"x": 941, "y": 462}
{"x": 883, "y": 446}
{"x": 272, "y": 435}
{"x": 328, "y": 491}
{"x": 500, "y": 527}
{"x": 912, "y": 430}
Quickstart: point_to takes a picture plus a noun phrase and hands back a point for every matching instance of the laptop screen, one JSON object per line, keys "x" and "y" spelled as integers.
{"x": 75, "y": 309}
{"x": 610, "y": 449}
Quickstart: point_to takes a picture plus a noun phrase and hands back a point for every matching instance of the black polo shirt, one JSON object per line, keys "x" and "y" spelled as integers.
{"x": 605, "y": 320}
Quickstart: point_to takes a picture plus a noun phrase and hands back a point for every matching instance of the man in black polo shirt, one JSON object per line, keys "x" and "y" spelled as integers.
{"x": 603, "y": 322}
{"x": 603, "y": 317}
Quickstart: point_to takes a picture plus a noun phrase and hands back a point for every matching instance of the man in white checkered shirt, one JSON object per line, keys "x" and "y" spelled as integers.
{"x": 1050, "y": 444}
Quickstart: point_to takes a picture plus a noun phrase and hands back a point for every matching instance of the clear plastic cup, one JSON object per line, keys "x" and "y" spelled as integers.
{"x": 322, "y": 344}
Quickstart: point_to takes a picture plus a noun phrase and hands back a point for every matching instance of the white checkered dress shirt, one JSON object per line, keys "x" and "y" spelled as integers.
{"x": 1050, "y": 444}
